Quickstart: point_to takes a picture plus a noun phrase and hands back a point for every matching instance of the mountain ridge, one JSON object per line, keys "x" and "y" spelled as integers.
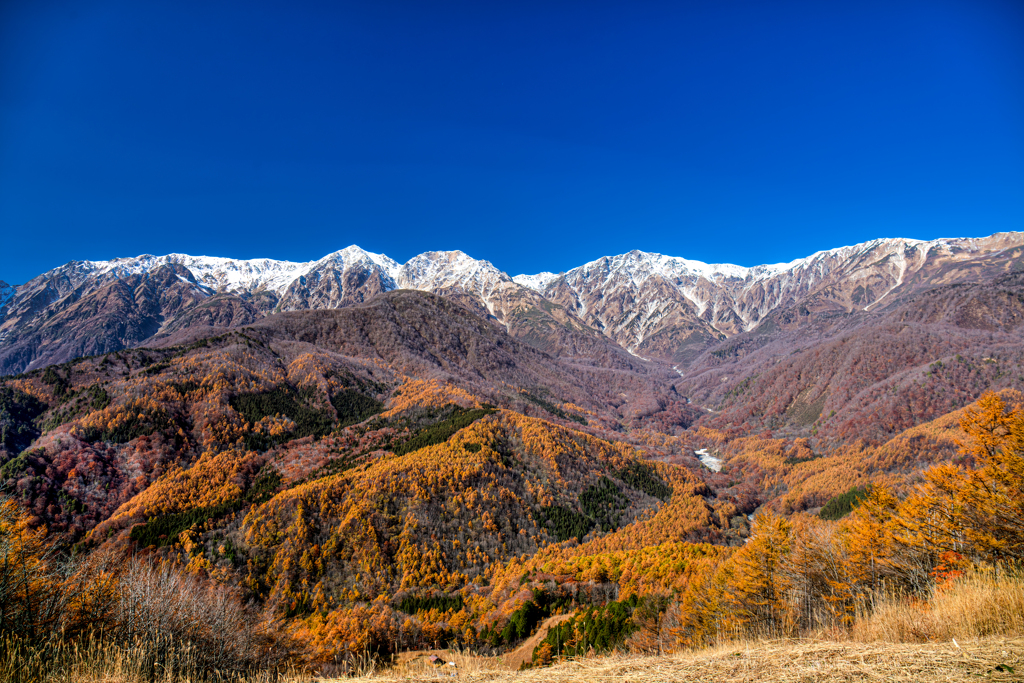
{"x": 654, "y": 306}
{"x": 143, "y": 262}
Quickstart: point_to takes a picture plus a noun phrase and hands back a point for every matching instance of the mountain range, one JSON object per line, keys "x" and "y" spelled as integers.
{"x": 656, "y": 307}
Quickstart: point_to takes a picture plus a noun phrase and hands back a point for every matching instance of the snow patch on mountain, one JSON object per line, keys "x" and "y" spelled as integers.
{"x": 354, "y": 258}
{"x": 212, "y": 271}
{"x": 444, "y": 269}
{"x": 434, "y": 270}
{"x": 732, "y": 298}
{"x": 536, "y": 282}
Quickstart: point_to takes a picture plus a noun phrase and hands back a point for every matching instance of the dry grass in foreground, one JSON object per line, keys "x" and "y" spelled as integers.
{"x": 803, "y": 661}
{"x": 980, "y": 604}
{"x": 106, "y": 662}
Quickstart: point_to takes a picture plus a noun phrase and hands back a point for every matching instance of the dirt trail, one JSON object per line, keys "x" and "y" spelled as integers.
{"x": 510, "y": 661}
{"x": 524, "y": 653}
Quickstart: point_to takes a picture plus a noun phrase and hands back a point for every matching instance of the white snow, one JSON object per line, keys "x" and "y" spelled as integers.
{"x": 723, "y": 290}
{"x": 213, "y": 271}
{"x": 536, "y": 282}
{"x": 430, "y": 271}
{"x": 711, "y": 462}
{"x": 638, "y": 266}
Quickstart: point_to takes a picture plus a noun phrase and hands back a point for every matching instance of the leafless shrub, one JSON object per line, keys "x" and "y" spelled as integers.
{"x": 52, "y": 605}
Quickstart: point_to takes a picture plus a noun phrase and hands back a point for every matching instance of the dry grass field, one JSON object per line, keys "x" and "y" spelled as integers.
{"x": 796, "y": 661}
{"x": 782, "y": 661}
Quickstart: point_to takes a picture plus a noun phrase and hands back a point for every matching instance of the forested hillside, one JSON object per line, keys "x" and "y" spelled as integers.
{"x": 403, "y": 474}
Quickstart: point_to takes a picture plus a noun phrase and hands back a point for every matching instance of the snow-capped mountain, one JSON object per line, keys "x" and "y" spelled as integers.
{"x": 654, "y": 306}
{"x": 88, "y": 307}
{"x": 665, "y": 307}
{"x": 345, "y": 277}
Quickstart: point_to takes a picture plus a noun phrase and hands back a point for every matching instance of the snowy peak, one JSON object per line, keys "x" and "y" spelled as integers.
{"x": 638, "y": 298}
{"x": 439, "y": 270}
{"x": 342, "y": 278}
{"x": 355, "y": 257}
{"x": 637, "y": 267}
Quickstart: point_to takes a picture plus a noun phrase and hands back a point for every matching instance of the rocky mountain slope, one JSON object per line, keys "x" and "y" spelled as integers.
{"x": 671, "y": 308}
{"x": 866, "y": 375}
{"x": 666, "y": 308}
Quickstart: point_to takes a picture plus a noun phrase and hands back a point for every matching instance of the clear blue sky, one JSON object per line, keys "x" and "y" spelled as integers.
{"x": 535, "y": 134}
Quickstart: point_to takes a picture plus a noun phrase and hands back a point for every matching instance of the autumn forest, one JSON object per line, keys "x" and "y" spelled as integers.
{"x": 320, "y": 489}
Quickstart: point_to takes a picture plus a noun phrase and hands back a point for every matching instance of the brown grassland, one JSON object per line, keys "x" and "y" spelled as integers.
{"x": 788, "y": 661}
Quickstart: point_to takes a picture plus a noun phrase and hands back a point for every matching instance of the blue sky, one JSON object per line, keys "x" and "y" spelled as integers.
{"x": 537, "y": 135}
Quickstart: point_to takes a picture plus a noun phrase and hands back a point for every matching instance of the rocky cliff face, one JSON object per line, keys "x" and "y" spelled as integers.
{"x": 661, "y": 307}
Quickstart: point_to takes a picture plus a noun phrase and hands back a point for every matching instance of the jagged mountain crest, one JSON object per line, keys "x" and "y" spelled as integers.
{"x": 43, "y": 322}
{"x": 652, "y": 305}
{"x": 660, "y": 306}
